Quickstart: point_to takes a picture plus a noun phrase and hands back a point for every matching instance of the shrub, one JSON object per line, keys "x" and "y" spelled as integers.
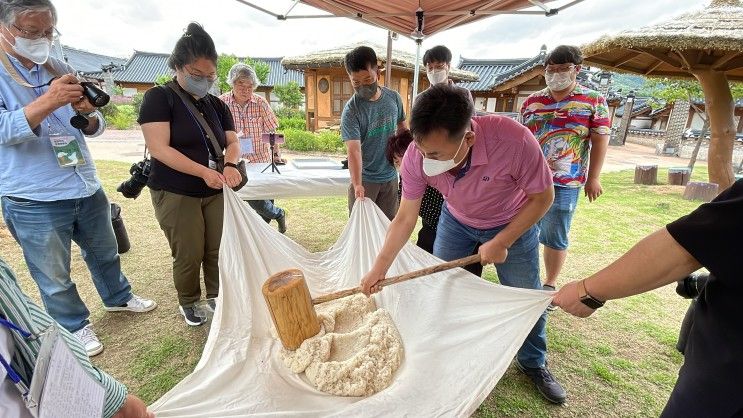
{"x": 291, "y": 123}
{"x": 285, "y": 112}
{"x": 289, "y": 94}
{"x": 298, "y": 140}
{"x": 330, "y": 141}
{"x": 137, "y": 102}
{"x": 123, "y": 117}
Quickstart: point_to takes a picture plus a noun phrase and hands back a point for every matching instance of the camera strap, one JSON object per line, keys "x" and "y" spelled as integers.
{"x": 13, "y": 73}
{"x": 199, "y": 118}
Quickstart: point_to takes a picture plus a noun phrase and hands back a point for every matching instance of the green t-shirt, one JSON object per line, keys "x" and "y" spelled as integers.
{"x": 373, "y": 123}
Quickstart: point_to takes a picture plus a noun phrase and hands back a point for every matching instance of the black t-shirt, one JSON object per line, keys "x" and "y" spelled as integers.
{"x": 186, "y": 136}
{"x": 710, "y": 382}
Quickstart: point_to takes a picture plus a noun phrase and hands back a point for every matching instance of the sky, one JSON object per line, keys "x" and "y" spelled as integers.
{"x": 118, "y": 27}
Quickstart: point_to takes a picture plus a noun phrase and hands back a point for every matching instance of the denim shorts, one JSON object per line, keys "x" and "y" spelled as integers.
{"x": 555, "y": 225}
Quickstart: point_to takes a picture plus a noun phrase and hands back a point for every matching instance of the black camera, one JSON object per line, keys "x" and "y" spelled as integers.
{"x": 97, "y": 98}
{"x": 691, "y": 286}
{"x": 140, "y": 174}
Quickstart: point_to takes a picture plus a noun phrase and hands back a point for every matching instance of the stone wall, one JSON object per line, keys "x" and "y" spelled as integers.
{"x": 676, "y": 125}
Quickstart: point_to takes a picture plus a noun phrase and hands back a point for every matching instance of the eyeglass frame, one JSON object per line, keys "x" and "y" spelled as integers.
{"x": 561, "y": 70}
{"x": 53, "y": 33}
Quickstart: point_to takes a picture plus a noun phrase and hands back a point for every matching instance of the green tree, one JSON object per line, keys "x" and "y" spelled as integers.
{"x": 225, "y": 62}
{"x": 667, "y": 91}
{"x": 163, "y": 79}
{"x": 289, "y": 94}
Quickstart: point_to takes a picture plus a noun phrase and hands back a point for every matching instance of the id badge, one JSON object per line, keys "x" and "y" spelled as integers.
{"x": 60, "y": 386}
{"x": 212, "y": 164}
{"x": 67, "y": 150}
{"x": 246, "y": 145}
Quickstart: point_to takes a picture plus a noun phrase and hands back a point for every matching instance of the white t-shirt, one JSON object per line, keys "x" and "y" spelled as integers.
{"x": 11, "y": 402}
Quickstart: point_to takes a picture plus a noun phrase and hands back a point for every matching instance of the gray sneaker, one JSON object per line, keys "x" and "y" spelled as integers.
{"x": 191, "y": 316}
{"x": 89, "y": 340}
{"x": 552, "y": 288}
{"x": 545, "y": 382}
{"x": 134, "y": 304}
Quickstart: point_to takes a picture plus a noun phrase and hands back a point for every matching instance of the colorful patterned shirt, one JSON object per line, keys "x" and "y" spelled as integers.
{"x": 564, "y": 130}
{"x": 252, "y": 120}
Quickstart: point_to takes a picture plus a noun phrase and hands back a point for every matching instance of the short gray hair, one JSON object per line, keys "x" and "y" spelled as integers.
{"x": 10, "y": 9}
{"x": 241, "y": 70}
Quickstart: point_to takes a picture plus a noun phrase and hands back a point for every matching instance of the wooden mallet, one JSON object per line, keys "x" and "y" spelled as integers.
{"x": 292, "y": 308}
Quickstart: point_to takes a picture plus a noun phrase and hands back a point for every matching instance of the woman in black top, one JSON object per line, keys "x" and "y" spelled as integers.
{"x": 186, "y": 187}
{"x": 430, "y": 204}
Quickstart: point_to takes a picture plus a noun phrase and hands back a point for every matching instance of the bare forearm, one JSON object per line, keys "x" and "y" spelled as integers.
{"x": 599, "y": 145}
{"x": 530, "y": 214}
{"x": 354, "y": 166}
{"x": 232, "y": 153}
{"x": 655, "y": 261}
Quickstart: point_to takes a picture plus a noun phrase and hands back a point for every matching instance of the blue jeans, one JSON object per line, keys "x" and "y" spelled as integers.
{"x": 266, "y": 209}
{"x": 521, "y": 269}
{"x": 555, "y": 224}
{"x": 45, "y": 231}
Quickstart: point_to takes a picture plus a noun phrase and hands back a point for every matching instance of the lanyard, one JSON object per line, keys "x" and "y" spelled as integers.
{"x": 12, "y": 375}
{"x": 212, "y": 155}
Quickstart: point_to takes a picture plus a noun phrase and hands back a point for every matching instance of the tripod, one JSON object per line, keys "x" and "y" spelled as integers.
{"x": 272, "y": 142}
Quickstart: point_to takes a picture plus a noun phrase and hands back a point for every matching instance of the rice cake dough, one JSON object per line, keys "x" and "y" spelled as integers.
{"x": 356, "y": 353}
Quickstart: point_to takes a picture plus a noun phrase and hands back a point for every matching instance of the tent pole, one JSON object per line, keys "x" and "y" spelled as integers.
{"x": 388, "y": 62}
{"x": 417, "y": 68}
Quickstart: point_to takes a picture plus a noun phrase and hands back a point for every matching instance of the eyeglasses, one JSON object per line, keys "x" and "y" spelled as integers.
{"x": 199, "y": 77}
{"x": 554, "y": 70}
{"x": 33, "y": 35}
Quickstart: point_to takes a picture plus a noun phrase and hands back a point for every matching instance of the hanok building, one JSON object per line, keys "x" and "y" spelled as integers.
{"x": 142, "y": 69}
{"x": 329, "y": 88}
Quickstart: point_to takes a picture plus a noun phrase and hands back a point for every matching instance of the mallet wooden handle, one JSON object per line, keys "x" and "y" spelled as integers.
{"x": 401, "y": 278}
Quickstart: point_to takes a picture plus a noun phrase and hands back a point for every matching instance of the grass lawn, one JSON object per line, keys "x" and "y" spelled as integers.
{"x": 620, "y": 362}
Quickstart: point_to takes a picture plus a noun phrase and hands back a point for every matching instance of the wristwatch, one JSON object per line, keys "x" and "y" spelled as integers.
{"x": 233, "y": 165}
{"x": 587, "y": 299}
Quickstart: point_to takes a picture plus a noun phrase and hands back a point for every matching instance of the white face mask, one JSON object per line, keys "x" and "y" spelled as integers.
{"x": 433, "y": 167}
{"x": 437, "y": 76}
{"x": 559, "y": 81}
{"x": 36, "y": 50}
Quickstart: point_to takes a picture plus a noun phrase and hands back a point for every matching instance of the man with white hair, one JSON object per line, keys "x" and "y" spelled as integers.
{"x": 253, "y": 116}
{"x": 49, "y": 200}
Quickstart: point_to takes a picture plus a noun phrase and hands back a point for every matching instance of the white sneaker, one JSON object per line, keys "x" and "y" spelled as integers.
{"x": 135, "y": 304}
{"x": 90, "y": 341}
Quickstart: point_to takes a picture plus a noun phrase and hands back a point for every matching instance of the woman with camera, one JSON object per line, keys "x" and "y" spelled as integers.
{"x": 182, "y": 123}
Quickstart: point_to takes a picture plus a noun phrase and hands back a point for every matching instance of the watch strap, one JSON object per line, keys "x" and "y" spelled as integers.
{"x": 586, "y": 298}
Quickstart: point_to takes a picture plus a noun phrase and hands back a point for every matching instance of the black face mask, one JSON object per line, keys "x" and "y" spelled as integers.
{"x": 367, "y": 91}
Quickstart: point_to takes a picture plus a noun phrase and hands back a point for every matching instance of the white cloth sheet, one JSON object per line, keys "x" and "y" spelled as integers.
{"x": 293, "y": 182}
{"x": 460, "y": 332}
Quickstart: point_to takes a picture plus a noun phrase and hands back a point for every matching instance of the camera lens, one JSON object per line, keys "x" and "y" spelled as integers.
{"x": 97, "y": 97}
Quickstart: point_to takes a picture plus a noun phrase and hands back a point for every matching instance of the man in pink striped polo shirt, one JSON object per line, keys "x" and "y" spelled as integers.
{"x": 496, "y": 184}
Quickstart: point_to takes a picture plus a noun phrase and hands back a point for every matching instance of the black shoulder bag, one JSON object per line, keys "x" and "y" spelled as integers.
{"x": 217, "y": 149}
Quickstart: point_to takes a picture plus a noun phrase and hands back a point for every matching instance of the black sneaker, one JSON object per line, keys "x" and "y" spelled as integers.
{"x": 281, "y": 220}
{"x": 546, "y": 384}
{"x": 189, "y": 314}
{"x": 549, "y": 287}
